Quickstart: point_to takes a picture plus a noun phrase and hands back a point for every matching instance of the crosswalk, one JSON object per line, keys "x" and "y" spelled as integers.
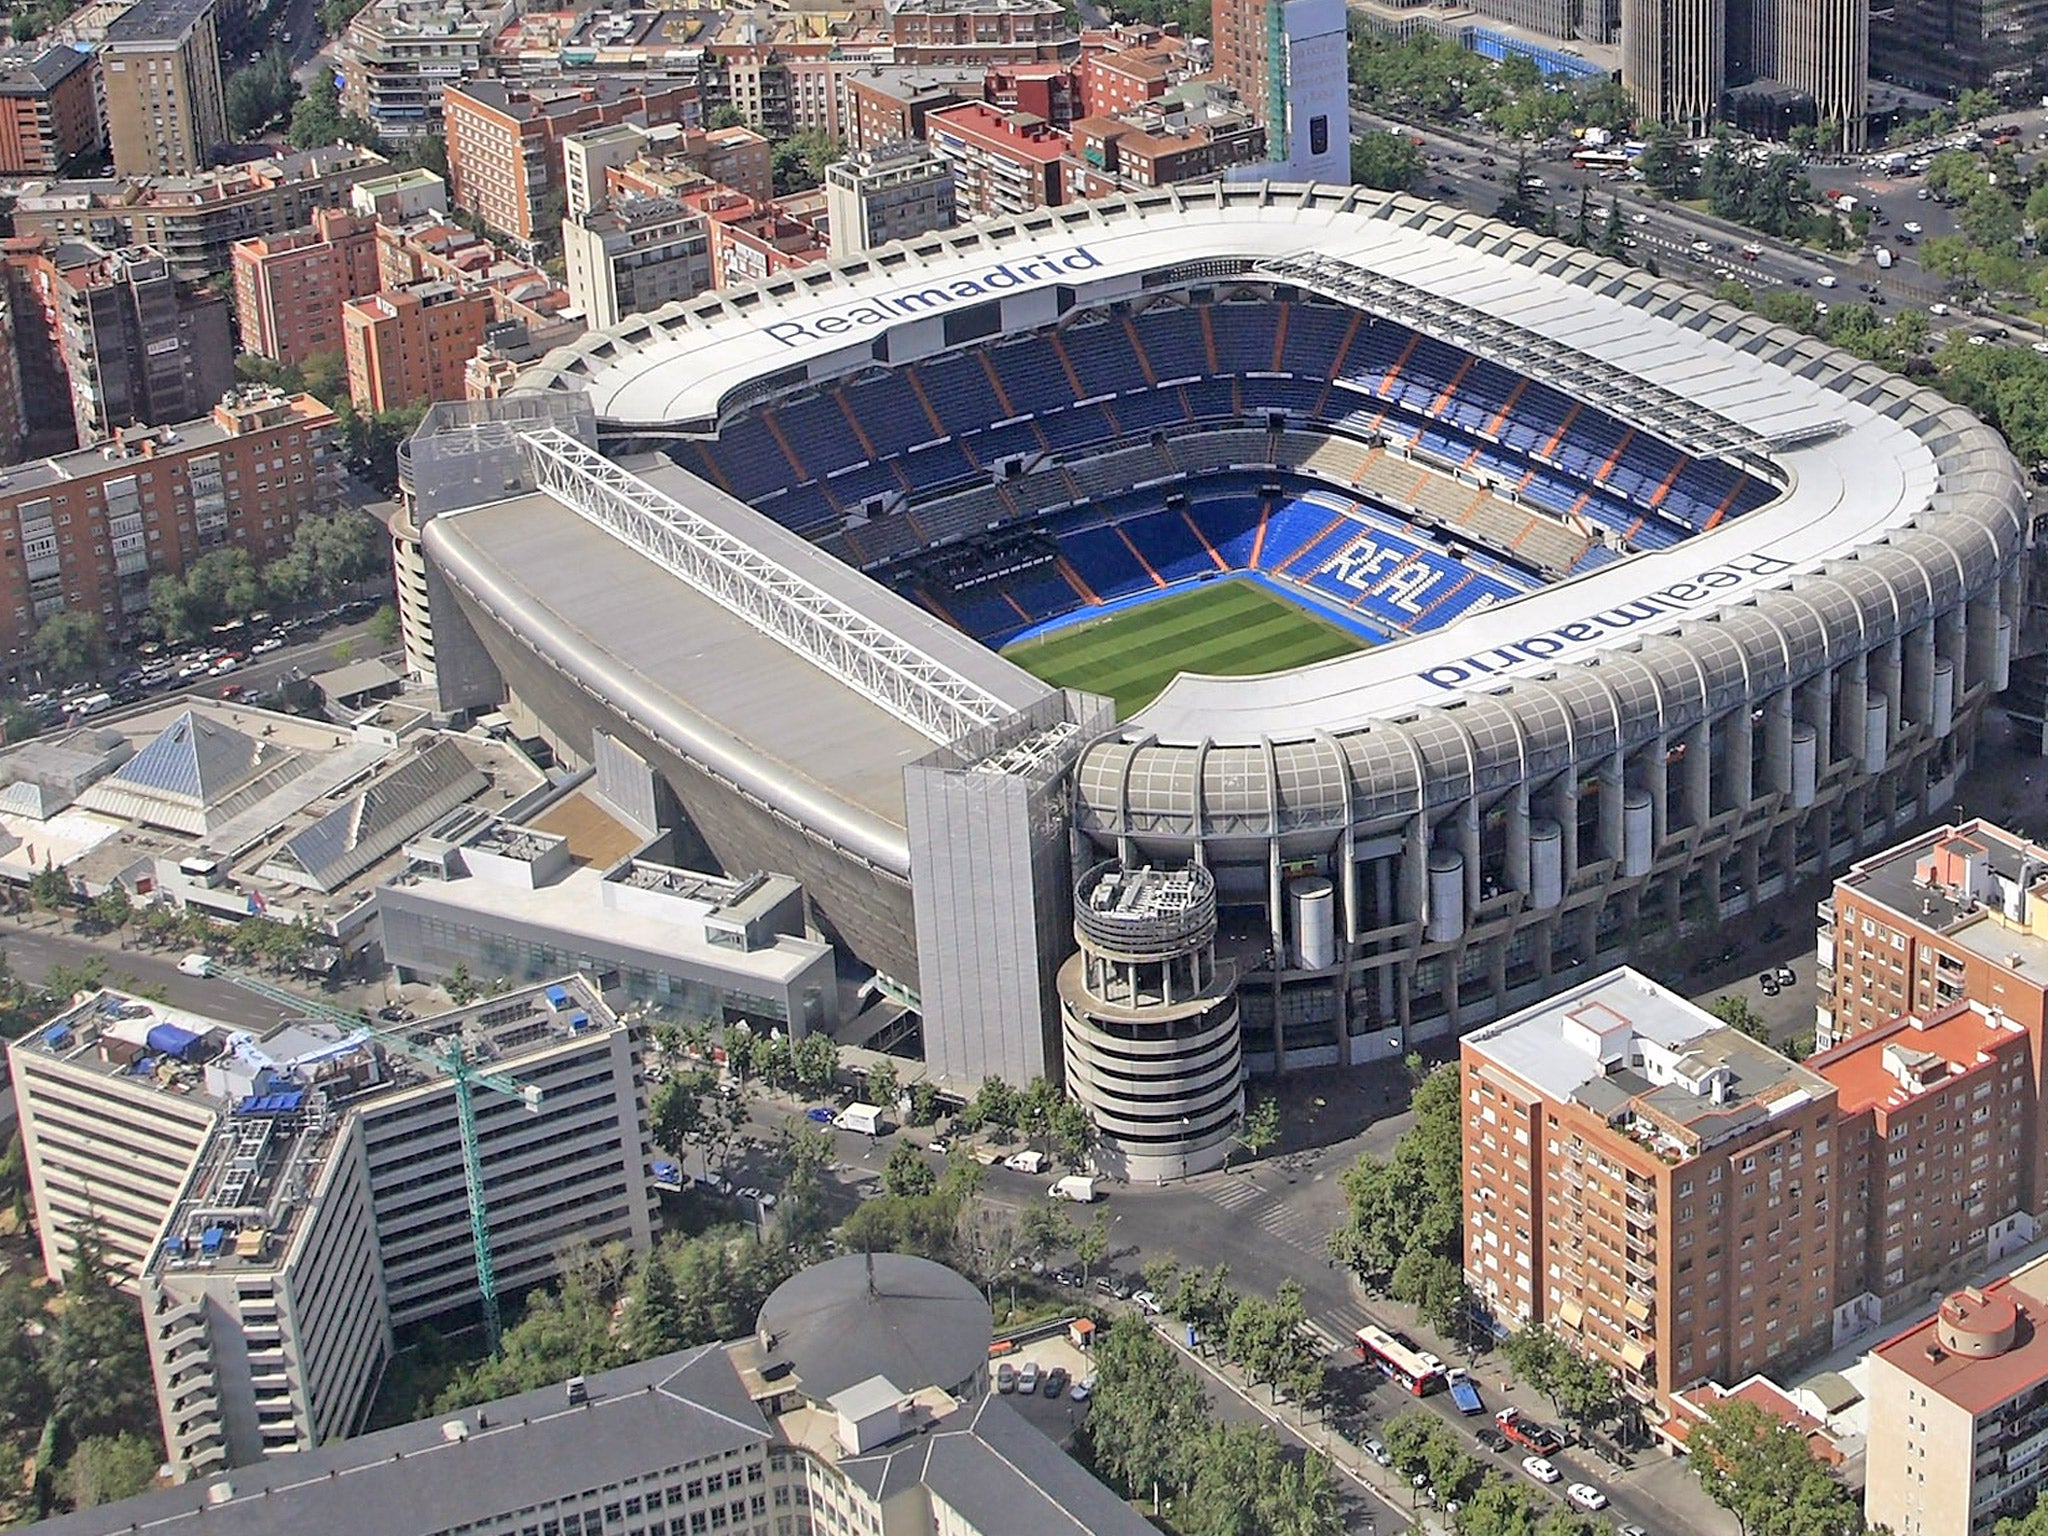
{"x": 1296, "y": 1228}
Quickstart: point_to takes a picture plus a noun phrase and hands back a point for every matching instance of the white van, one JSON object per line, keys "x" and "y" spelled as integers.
{"x": 864, "y": 1118}
{"x": 1025, "y": 1162}
{"x": 1077, "y": 1187}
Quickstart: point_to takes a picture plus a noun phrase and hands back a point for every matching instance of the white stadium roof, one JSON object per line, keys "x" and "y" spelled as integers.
{"x": 1857, "y": 467}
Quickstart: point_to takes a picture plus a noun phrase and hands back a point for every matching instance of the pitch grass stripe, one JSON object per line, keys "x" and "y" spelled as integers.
{"x": 1225, "y": 628}
{"x": 1228, "y": 642}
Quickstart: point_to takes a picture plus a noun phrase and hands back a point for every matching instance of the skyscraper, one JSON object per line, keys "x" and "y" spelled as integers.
{"x": 1287, "y": 59}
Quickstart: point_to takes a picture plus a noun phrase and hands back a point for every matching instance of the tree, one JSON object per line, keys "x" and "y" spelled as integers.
{"x": 800, "y": 161}
{"x": 907, "y": 1172}
{"x": 658, "y": 1322}
{"x": 1736, "y": 1013}
{"x": 108, "y": 1467}
{"x": 1246, "y": 1482}
{"x": 50, "y": 889}
{"x": 1613, "y": 233}
{"x": 1260, "y": 1127}
{"x": 70, "y": 645}
{"x": 995, "y": 1105}
{"x": 317, "y": 119}
{"x": 2033, "y": 1523}
{"x": 260, "y": 93}
{"x": 1386, "y": 162}
{"x": 98, "y": 1358}
{"x": 1537, "y": 1356}
{"x": 112, "y": 909}
{"x": 1091, "y": 1242}
{"x": 461, "y": 989}
{"x": 677, "y": 1117}
{"x": 1073, "y": 1132}
{"x": 814, "y": 1062}
{"x": 924, "y": 1103}
{"x": 1498, "y": 1507}
{"x": 1665, "y": 162}
{"x": 384, "y": 626}
{"x": 726, "y": 116}
{"x": 1043, "y": 1230}
{"x": 1146, "y": 1423}
{"x": 881, "y": 1086}
{"x": 1435, "y": 1287}
{"x": 1762, "y": 1471}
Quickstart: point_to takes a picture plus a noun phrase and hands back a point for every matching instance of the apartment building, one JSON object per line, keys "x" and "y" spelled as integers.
{"x": 134, "y": 344}
{"x": 401, "y": 196}
{"x": 1958, "y": 1412}
{"x": 289, "y": 288}
{"x": 1154, "y": 146}
{"x": 49, "y": 111}
{"x": 1000, "y": 164}
{"x": 1650, "y": 1184}
{"x": 656, "y": 161}
{"x": 1114, "y": 82}
{"x": 411, "y": 344}
{"x": 308, "y": 1189}
{"x": 894, "y": 192}
{"x": 505, "y": 160}
{"x": 978, "y": 32}
{"x": 1955, "y": 912}
{"x": 196, "y": 220}
{"x": 398, "y": 57}
{"x": 85, "y": 531}
{"x": 1936, "y": 1119}
{"x": 887, "y": 104}
{"x": 859, "y": 1406}
{"x": 160, "y": 74}
{"x": 1048, "y": 91}
{"x": 634, "y": 256}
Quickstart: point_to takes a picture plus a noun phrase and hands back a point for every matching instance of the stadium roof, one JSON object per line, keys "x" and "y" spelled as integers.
{"x": 1855, "y": 472}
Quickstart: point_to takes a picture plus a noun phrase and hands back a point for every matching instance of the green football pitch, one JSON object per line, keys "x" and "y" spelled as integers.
{"x": 1229, "y": 628}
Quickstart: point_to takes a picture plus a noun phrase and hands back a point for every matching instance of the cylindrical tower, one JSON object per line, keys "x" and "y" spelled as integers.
{"x": 1150, "y": 1022}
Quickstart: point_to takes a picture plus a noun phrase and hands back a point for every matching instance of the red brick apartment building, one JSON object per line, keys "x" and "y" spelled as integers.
{"x": 289, "y": 288}
{"x": 1937, "y": 1120}
{"x": 505, "y": 141}
{"x": 48, "y": 111}
{"x": 86, "y": 531}
{"x": 1650, "y": 1184}
{"x": 411, "y": 344}
{"x": 1001, "y": 164}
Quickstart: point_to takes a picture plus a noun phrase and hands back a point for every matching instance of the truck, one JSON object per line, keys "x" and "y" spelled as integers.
{"x": 1464, "y": 1391}
{"x": 1077, "y": 1187}
{"x": 864, "y": 1118}
{"x": 1539, "y": 1438}
{"x": 1032, "y": 1161}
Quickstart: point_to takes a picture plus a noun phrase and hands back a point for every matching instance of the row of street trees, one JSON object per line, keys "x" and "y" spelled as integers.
{"x": 1150, "y": 1434}
{"x": 327, "y": 555}
{"x": 1421, "y": 1445}
{"x": 1403, "y": 1231}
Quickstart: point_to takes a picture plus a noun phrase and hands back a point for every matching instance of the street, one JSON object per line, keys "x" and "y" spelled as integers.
{"x": 34, "y": 946}
{"x": 1673, "y": 236}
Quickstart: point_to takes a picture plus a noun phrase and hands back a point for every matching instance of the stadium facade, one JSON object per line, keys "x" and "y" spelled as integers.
{"x": 1677, "y": 607}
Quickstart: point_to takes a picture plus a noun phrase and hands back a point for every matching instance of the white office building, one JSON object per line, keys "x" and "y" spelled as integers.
{"x": 304, "y": 1194}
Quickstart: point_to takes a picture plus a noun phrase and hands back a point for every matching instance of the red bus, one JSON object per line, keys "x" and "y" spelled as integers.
{"x": 1398, "y": 1363}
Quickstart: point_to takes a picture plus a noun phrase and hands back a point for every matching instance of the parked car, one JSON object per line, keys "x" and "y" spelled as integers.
{"x": 197, "y": 965}
{"x": 391, "y": 1013}
{"x": 1586, "y": 1496}
{"x": 1082, "y": 1391}
{"x": 1056, "y": 1382}
{"x": 1147, "y": 1303}
{"x": 265, "y": 647}
{"x": 1378, "y": 1453}
{"x": 1785, "y": 976}
{"x": 1006, "y": 1378}
{"x": 1492, "y": 1439}
{"x": 819, "y": 1115}
{"x": 1540, "y": 1469}
{"x": 1027, "y": 1380}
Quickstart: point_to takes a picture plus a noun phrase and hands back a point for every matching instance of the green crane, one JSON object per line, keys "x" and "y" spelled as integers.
{"x": 445, "y": 1056}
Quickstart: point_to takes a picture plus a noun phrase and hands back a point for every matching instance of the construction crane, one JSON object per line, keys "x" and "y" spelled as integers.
{"x": 444, "y": 1056}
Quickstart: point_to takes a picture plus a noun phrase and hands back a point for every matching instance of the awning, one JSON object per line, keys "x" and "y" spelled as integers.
{"x": 1639, "y": 1310}
{"x": 1570, "y": 1313}
{"x": 1634, "y": 1355}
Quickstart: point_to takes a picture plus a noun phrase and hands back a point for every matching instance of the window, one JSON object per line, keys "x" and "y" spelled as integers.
{"x": 1319, "y": 135}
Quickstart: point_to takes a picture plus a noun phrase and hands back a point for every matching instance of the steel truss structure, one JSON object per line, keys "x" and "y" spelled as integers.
{"x": 924, "y": 694}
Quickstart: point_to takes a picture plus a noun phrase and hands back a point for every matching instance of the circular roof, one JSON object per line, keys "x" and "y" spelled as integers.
{"x": 841, "y": 1322}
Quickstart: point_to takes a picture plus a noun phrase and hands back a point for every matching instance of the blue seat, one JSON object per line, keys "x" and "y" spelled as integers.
{"x": 1103, "y": 359}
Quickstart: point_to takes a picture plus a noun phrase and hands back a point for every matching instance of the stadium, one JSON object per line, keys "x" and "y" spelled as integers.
{"x": 1466, "y": 608}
